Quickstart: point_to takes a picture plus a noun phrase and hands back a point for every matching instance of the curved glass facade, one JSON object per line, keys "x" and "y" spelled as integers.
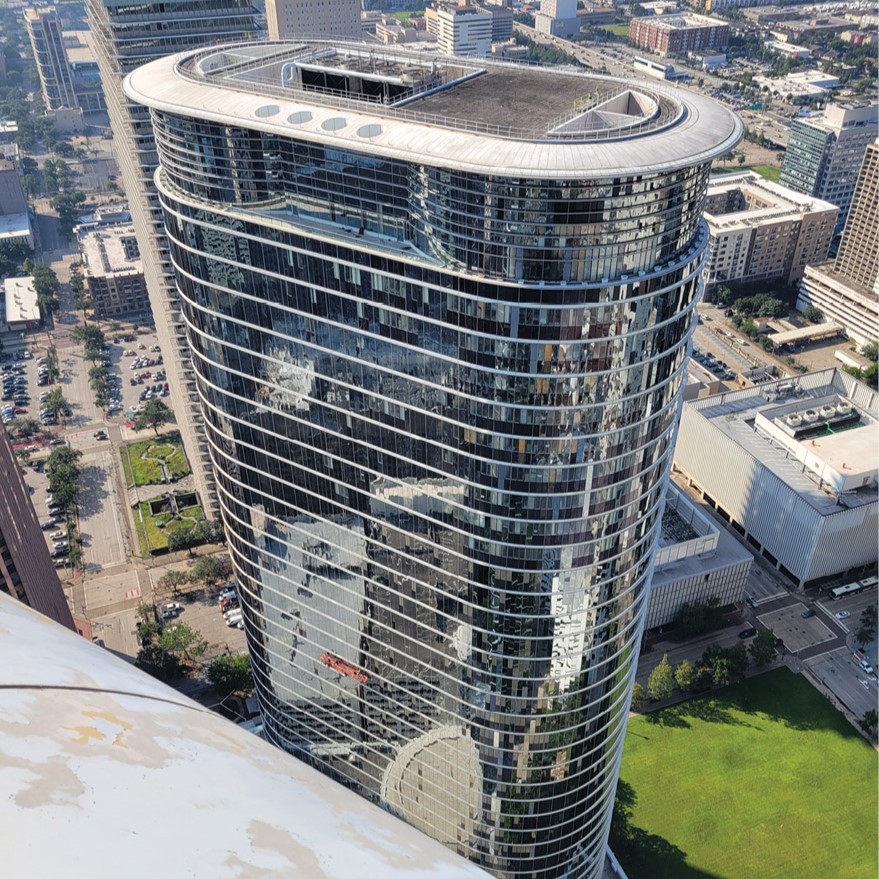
{"x": 441, "y": 407}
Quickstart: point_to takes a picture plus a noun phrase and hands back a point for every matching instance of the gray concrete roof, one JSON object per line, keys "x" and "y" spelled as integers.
{"x": 496, "y": 122}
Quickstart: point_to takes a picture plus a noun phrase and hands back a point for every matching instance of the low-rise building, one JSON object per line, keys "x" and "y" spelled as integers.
{"x": 21, "y": 309}
{"x": 762, "y": 231}
{"x": 113, "y": 272}
{"x": 792, "y": 468}
{"x": 679, "y": 33}
{"x": 695, "y": 561}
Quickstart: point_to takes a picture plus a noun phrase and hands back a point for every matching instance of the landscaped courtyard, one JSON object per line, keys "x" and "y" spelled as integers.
{"x": 154, "y": 526}
{"x": 763, "y": 779}
{"x": 142, "y": 461}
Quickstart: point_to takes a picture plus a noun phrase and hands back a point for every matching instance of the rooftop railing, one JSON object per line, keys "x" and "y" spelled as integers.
{"x": 229, "y": 76}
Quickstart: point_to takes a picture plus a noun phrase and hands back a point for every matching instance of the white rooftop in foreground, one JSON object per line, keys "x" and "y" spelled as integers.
{"x": 21, "y": 300}
{"x": 109, "y": 773}
{"x": 483, "y": 116}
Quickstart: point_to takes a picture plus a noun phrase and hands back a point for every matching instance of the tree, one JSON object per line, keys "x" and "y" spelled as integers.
{"x": 26, "y": 427}
{"x": 46, "y": 287}
{"x": 721, "y": 674}
{"x": 700, "y": 617}
{"x": 870, "y": 721}
{"x": 871, "y": 351}
{"x": 173, "y": 580}
{"x": 182, "y": 641}
{"x": 232, "y": 674}
{"x": 52, "y": 370}
{"x": 638, "y": 696}
{"x": 737, "y": 657}
{"x": 660, "y": 683}
{"x": 181, "y": 538}
{"x": 56, "y": 403}
{"x": 66, "y": 204}
{"x": 867, "y": 627}
{"x": 155, "y": 415}
{"x": 158, "y": 662}
{"x": 812, "y": 314}
{"x": 763, "y": 647}
{"x": 210, "y": 570}
{"x": 685, "y": 675}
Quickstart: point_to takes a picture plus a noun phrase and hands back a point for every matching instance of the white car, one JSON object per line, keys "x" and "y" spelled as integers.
{"x": 842, "y": 615}
{"x": 867, "y": 667}
{"x": 58, "y": 535}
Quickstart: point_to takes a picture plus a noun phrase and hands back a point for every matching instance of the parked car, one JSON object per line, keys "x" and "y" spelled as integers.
{"x": 747, "y": 633}
{"x": 58, "y": 535}
{"x": 867, "y": 667}
{"x": 807, "y": 613}
{"x": 171, "y": 609}
{"x": 60, "y": 553}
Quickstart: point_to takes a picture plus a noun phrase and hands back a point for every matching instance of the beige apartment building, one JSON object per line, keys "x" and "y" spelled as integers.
{"x": 763, "y": 231}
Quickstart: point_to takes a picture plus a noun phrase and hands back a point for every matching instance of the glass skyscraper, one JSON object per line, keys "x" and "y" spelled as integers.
{"x": 439, "y": 312}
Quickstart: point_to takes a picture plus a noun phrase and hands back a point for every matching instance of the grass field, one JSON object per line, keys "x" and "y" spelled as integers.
{"x": 767, "y": 172}
{"x": 763, "y": 779}
{"x": 154, "y": 539}
{"x": 618, "y": 30}
{"x": 140, "y": 460}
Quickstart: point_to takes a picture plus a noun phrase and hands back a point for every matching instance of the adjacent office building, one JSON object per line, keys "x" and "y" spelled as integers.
{"x": 847, "y": 288}
{"x": 761, "y": 231}
{"x": 322, "y": 19}
{"x": 126, "y": 36}
{"x": 792, "y": 468}
{"x": 460, "y": 30}
{"x": 113, "y": 271}
{"x": 825, "y": 153}
{"x": 26, "y": 568}
{"x": 440, "y": 349}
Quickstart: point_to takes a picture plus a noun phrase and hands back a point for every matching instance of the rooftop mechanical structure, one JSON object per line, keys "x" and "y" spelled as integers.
{"x": 440, "y": 313}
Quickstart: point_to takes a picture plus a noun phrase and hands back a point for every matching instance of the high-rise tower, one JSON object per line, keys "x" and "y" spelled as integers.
{"x": 439, "y": 313}
{"x": 127, "y": 34}
{"x": 44, "y": 30}
{"x": 825, "y": 153}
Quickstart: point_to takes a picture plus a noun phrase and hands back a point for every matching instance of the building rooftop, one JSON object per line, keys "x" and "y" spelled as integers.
{"x": 759, "y": 201}
{"x": 21, "y": 301}
{"x": 109, "y": 250}
{"x": 96, "y": 753}
{"x": 679, "y": 20}
{"x": 14, "y": 226}
{"x": 829, "y": 460}
{"x": 481, "y": 116}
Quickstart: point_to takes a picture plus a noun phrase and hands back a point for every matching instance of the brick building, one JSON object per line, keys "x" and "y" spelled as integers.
{"x": 679, "y": 33}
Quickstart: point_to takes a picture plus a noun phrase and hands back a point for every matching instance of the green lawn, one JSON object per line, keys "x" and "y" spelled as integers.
{"x": 764, "y": 779}
{"x": 767, "y": 172}
{"x": 141, "y": 460}
{"x": 154, "y": 539}
{"x": 619, "y": 30}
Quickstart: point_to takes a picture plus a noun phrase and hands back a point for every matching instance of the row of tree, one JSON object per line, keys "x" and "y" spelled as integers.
{"x": 62, "y": 468}
{"x": 717, "y": 667}
{"x": 190, "y": 536}
{"x": 208, "y": 572}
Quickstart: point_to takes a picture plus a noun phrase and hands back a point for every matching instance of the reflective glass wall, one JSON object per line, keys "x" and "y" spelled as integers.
{"x": 441, "y": 409}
